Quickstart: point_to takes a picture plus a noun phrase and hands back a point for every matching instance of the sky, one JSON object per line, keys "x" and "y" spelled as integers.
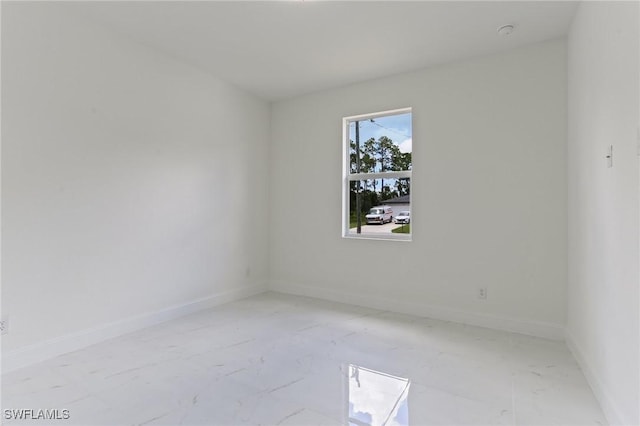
{"x": 395, "y": 127}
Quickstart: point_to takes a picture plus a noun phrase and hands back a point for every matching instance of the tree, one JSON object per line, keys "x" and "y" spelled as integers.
{"x": 380, "y": 155}
{"x": 403, "y": 162}
{"x": 387, "y": 156}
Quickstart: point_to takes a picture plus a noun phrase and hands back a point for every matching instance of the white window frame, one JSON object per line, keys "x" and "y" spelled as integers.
{"x": 348, "y": 177}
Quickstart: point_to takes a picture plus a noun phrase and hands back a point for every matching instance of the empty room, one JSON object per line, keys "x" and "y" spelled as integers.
{"x": 212, "y": 213}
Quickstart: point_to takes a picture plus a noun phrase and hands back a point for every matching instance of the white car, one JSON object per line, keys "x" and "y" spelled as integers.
{"x": 403, "y": 217}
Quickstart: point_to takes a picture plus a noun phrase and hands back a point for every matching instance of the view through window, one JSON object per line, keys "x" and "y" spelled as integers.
{"x": 377, "y": 181}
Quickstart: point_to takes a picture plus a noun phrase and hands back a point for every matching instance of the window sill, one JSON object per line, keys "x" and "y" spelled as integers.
{"x": 378, "y": 236}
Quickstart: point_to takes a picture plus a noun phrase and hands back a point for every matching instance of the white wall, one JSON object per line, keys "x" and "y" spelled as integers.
{"x": 603, "y": 319}
{"x": 489, "y": 201}
{"x": 129, "y": 183}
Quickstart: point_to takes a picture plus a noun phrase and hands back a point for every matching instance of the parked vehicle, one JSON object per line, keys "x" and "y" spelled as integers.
{"x": 403, "y": 217}
{"x": 380, "y": 214}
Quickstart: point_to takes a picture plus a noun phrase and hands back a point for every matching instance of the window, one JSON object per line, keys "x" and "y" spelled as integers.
{"x": 376, "y": 194}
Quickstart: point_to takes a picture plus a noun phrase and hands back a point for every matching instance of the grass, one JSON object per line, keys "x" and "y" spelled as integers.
{"x": 402, "y": 229}
{"x": 353, "y": 220}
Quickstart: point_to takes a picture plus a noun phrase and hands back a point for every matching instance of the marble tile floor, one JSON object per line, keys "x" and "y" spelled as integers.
{"x": 276, "y": 359}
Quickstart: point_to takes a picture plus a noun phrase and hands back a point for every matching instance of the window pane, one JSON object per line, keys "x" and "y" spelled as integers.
{"x": 384, "y": 205}
{"x": 381, "y": 144}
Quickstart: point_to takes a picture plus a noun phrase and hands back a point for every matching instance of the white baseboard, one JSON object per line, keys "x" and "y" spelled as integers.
{"x": 609, "y": 407}
{"x": 51, "y": 348}
{"x": 531, "y": 328}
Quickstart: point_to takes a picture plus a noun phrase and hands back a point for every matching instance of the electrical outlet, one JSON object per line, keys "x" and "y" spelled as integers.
{"x": 482, "y": 293}
{"x": 4, "y": 325}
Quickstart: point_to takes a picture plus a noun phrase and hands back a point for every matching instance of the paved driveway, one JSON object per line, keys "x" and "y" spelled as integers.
{"x": 378, "y": 229}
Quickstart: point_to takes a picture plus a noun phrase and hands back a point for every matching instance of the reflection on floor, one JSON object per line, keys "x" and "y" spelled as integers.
{"x": 376, "y": 398}
{"x": 282, "y": 360}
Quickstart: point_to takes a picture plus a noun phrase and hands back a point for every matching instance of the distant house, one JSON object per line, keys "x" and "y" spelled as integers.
{"x": 399, "y": 204}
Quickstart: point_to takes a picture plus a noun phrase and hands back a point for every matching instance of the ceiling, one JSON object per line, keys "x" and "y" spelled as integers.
{"x": 281, "y": 49}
